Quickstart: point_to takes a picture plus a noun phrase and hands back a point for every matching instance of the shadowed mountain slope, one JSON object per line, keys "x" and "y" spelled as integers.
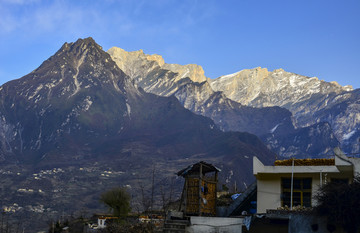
{"x": 77, "y": 125}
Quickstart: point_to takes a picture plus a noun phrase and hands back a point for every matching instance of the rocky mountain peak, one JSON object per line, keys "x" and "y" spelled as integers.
{"x": 194, "y": 72}
{"x": 346, "y": 88}
{"x": 73, "y": 70}
{"x": 260, "y": 88}
{"x": 79, "y": 47}
{"x": 137, "y": 62}
{"x": 133, "y": 62}
{"x": 157, "y": 58}
{"x": 278, "y": 70}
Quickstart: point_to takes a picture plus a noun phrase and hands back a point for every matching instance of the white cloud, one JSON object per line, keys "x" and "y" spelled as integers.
{"x": 7, "y": 22}
{"x": 122, "y": 16}
{"x": 52, "y": 17}
{"x": 58, "y": 16}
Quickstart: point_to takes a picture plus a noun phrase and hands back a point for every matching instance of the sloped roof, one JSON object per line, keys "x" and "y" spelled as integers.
{"x": 206, "y": 167}
{"x": 244, "y": 199}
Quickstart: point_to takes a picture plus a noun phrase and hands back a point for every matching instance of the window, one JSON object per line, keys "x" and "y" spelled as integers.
{"x": 301, "y": 192}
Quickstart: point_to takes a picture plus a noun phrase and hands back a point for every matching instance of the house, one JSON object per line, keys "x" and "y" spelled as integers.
{"x": 197, "y": 210}
{"x": 300, "y": 177}
{"x": 199, "y": 193}
{"x": 102, "y": 221}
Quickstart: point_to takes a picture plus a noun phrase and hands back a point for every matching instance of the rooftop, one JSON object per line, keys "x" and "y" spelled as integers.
{"x": 195, "y": 168}
{"x": 305, "y": 162}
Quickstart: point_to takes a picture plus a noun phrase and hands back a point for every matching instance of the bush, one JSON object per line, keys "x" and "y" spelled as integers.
{"x": 340, "y": 202}
{"x": 118, "y": 201}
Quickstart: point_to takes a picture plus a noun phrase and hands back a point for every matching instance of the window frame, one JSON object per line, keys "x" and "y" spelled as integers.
{"x": 298, "y": 190}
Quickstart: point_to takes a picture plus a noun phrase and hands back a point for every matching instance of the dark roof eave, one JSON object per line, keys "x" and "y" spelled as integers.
{"x": 193, "y": 168}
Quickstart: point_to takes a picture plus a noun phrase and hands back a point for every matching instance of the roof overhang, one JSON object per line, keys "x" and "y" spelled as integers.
{"x": 206, "y": 167}
{"x": 259, "y": 168}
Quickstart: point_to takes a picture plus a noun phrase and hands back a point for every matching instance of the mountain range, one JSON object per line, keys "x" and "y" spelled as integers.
{"x": 305, "y": 116}
{"x": 79, "y": 114}
{"x": 87, "y": 120}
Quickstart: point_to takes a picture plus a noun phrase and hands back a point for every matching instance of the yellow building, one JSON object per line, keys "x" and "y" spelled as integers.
{"x": 304, "y": 175}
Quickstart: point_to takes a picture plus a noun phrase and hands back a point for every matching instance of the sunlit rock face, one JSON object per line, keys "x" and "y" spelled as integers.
{"x": 310, "y": 100}
{"x": 190, "y": 86}
{"x": 146, "y": 69}
{"x": 261, "y": 88}
{"x": 245, "y": 101}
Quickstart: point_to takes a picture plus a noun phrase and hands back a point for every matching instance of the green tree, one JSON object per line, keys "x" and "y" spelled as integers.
{"x": 340, "y": 203}
{"x": 118, "y": 201}
{"x": 225, "y": 188}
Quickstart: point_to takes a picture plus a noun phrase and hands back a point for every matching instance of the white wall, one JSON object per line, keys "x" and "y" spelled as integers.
{"x": 214, "y": 224}
{"x": 268, "y": 193}
{"x": 269, "y": 189}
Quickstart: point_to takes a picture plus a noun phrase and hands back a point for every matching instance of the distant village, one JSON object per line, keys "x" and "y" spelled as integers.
{"x": 287, "y": 196}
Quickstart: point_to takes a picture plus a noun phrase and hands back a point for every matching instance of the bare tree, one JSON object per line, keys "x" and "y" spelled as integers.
{"x": 166, "y": 196}
{"x": 148, "y": 201}
{"x": 145, "y": 201}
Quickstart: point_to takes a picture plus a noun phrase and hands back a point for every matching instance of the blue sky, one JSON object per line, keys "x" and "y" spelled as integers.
{"x": 308, "y": 37}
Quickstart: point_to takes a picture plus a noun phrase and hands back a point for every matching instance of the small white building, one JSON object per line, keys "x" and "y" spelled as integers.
{"x": 102, "y": 221}
{"x": 274, "y": 182}
{"x": 200, "y": 224}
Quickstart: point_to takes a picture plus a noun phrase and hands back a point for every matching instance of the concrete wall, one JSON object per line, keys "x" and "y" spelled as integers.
{"x": 214, "y": 224}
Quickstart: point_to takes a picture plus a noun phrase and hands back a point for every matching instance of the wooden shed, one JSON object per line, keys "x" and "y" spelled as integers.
{"x": 199, "y": 193}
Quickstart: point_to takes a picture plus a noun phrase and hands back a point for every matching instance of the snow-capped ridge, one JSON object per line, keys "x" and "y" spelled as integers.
{"x": 259, "y": 87}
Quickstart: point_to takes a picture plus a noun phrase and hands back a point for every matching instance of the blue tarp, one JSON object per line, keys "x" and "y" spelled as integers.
{"x": 236, "y": 195}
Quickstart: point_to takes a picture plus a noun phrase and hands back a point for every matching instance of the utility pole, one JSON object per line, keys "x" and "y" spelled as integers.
{"x": 292, "y": 185}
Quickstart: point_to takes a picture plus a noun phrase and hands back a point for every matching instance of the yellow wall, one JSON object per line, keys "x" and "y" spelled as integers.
{"x": 269, "y": 187}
